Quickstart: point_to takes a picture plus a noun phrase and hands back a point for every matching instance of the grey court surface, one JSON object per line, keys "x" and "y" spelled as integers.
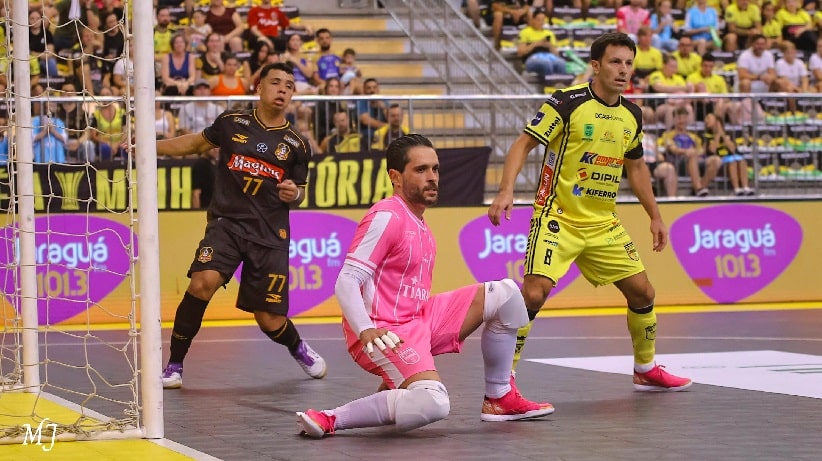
{"x": 241, "y": 391}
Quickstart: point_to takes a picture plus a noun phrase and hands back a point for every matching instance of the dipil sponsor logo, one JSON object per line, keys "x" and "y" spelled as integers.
{"x": 35, "y": 438}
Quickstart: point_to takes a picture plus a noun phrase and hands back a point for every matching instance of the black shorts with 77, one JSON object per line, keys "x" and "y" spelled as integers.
{"x": 264, "y": 277}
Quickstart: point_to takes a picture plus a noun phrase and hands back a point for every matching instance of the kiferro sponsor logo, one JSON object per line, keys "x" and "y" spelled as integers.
{"x": 600, "y": 194}
{"x": 255, "y": 167}
{"x": 578, "y": 190}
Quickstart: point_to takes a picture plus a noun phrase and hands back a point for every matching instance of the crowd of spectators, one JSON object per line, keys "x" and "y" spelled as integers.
{"x": 683, "y": 47}
{"x": 202, "y": 48}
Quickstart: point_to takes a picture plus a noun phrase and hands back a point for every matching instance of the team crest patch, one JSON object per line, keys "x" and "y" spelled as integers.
{"x": 282, "y": 151}
{"x": 283, "y": 234}
{"x": 626, "y": 136}
{"x": 630, "y": 249}
{"x": 409, "y": 356}
{"x": 205, "y": 254}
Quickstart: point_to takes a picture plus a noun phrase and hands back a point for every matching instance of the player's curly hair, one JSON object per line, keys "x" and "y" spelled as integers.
{"x": 610, "y": 38}
{"x": 397, "y": 152}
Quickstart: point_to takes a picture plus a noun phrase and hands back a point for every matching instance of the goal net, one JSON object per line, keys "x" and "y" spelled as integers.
{"x": 78, "y": 333}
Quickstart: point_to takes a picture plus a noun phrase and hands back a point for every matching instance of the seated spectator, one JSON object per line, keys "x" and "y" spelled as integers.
{"x": 225, "y": 21}
{"x": 41, "y": 44}
{"x": 195, "y": 116}
{"x": 302, "y": 66}
{"x": 107, "y": 128}
{"x": 647, "y": 59}
{"x": 701, "y": 24}
{"x": 303, "y": 129}
{"x": 113, "y": 43}
{"x": 664, "y": 28}
{"x": 267, "y": 24}
{"x": 163, "y": 31}
{"x": 371, "y": 114}
{"x": 50, "y": 136}
{"x": 797, "y": 26}
{"x": 228, "y": 83}
{"x": 350, "y": 75}
{"x": 342, "y": 139}
{"x": 771, "y": 28}
{"x": 720, "y": 144}
{"x": 815, "y": 66}
{"x": 177, "y": 69}
{"x": 690, "y": 155}
{"x": 537, "y": 47}
{"x": 203, "y": 178}
{"x": 79, "y": 145}
{"x": 88, "y": 69}
{"x": 393, "y": 130}
{"x": 707, "y": 81}
{"x": 668, "y": 81}
{"x": 197, "y": 32}
{"x": 65, "y": 36}
{"x": 122, "y": 74}
{"x": 687, "y": 62}
{"x": 324, "y": 110}
{"x": 210, "y": 64}
{"x": 164, "y": 125}
{"x": 326, "y": 63}
{"x": 662, "y": 170}
{"x": 756, "y": 68}
{"x": 743, "y": 20}
{"x": 4, "y": 142}
{"x": 791, "y": 74}
{"x": 631, "y": 17}
{"x": 259, "y": 58}
{"x": 507, "y": 12}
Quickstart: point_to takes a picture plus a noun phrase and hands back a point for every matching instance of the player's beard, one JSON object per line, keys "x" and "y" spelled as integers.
{"x": 417, "y": 195}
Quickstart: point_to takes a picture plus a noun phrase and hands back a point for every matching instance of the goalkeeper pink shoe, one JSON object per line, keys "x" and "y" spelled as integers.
{"x": 315, "y": 424}
{"x": 659, "y": 380}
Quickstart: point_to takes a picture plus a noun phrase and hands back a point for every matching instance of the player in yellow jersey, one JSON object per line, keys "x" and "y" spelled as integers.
{"x": 591, "y": 132}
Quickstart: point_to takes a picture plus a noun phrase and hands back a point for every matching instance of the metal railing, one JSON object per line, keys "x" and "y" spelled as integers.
{"x": 784, "y": 152}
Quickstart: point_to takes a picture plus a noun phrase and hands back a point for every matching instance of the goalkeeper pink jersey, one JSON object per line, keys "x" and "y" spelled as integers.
{"x": 397, "y": 248}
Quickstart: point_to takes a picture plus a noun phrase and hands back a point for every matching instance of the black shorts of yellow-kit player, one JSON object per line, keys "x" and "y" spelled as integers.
{"x": 603, "y": 252}
{"x": 264, "y": 276}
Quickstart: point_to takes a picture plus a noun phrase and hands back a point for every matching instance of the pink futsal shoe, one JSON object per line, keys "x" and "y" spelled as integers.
{"x": 315, "y": 424}
{"x": 513, "y": 406}
{"x": 659, "y": 380}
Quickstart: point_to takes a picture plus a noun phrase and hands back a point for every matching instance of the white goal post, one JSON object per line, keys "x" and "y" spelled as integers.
{"x": 46, "y": 367}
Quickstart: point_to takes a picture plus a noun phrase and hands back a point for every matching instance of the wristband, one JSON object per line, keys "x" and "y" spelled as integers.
{"x": 299, "y": 195}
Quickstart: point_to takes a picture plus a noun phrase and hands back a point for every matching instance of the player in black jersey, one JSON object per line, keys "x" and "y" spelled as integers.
{"x": 261, "y": 173}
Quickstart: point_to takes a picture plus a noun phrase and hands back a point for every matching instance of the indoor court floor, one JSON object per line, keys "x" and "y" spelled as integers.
{"x": 757, "y": 396}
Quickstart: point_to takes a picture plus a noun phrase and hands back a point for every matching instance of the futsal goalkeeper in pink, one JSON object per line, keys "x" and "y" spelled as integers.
{"x": 394, "y": 326}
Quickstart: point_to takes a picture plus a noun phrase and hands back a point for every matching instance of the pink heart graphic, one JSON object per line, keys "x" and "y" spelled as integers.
{"x": 494, "y": 253}
{"x": 733, "y": 251}
{"x": 80, "y": 260}
{"x": 319, "y": 243}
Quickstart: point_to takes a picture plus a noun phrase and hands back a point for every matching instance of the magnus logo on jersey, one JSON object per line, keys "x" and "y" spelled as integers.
{"x": 255, "y": 167}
